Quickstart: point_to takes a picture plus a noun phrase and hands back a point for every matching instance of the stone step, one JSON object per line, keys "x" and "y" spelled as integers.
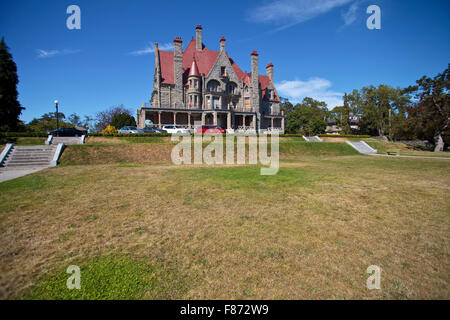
{"x": 27, "y": 156}
{"x": 361, "y": 147}
{"x": 27, "y": 162}
{"x": 30, "y": 156}
{"x": 23, "y": 165}
{"x": 46, "y": 157}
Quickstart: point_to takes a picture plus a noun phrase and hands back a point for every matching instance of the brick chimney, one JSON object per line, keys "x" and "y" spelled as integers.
{"x": 178, "y": 70}
{"x": 222, "y": 43}
{"x": 198, "y": 38}
{"x": 269, "y": 71}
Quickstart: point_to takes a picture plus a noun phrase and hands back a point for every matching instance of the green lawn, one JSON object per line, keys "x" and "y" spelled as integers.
{"x": 155, "y": 230}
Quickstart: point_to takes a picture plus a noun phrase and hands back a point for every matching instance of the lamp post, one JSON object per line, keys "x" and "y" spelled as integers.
{"x": 57, "y": 121}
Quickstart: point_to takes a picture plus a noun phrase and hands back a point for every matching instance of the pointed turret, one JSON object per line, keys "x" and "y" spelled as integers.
{"x": 194, "y": 69}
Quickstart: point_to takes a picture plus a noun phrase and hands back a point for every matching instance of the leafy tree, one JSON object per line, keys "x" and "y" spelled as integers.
{"x": 120, "y": 120}
{"x": 10, "y": 108}
{"x": 344, "y": 121}
{"x": 103, "y": 118}
{"x": 75, "y": 120}
{"x": 308, "y": 117}
{"x": 47, "y": 122}
{"x": 430, "y": 114}
{"x": 378, "y": 108}
{"x": 286, "y": 106}
{"x": 88, "y": 122}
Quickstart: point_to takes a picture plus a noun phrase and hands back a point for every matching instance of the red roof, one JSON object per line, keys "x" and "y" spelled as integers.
{"x": 194, "y": 69}
{"x": 204, "y": 60}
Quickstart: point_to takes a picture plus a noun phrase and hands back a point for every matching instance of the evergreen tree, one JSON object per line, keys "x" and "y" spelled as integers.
{"x": 120, "y": 120}
{"x": 10, "y": 108}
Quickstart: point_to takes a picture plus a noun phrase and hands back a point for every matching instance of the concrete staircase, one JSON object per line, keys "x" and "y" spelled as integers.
{"x": 30, "y": 156}
{"x": 362, "y": 147}
{"x": 312, "y": 139}
{"x": 65, "y": 140}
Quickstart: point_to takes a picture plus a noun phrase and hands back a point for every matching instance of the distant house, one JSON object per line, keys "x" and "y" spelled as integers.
{"x": 333, "y": 128}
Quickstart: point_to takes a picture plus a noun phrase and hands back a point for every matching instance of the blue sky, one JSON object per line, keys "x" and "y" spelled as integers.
{"x": 320, "y": 48}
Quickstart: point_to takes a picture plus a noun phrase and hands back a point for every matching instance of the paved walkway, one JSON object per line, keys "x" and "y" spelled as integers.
{"x": 414, "y": 157}
{"x": 10, "y": 173}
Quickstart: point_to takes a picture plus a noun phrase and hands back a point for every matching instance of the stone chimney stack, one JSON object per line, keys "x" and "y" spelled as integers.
{"x": 269, "y": 71}
{"x": 222, "y": 43}
{"x": 255, "y": 81}
{"x": 178, "y": 71}
{"x": 157, "y": 81}
{"x": 198, "y": 38}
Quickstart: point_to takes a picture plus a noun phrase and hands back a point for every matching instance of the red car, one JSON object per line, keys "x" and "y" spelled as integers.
{"x": 210, "y": 129}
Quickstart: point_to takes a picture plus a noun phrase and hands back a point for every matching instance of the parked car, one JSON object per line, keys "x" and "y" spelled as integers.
{"x": 150, "y": 129}
{"x": 175, "y": 129}
{"x": 130, "y": 129}
{"x": 210, "y": 129}
{"x": 66, "y": 132}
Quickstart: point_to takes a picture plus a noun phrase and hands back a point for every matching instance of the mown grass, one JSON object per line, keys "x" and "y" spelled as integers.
{"x": 22, "y": 141}
{"x": 107, "y": 278}
{"x": 383, "y": 147}
{"x": 146, "y": 153}
{"x": 308, "y": 232}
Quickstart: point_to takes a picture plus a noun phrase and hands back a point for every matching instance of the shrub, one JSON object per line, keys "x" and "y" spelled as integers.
{"x": 109, "y": 130}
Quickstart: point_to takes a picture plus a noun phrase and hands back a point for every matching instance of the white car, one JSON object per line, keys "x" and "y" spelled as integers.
{"x": 175, "y": 129}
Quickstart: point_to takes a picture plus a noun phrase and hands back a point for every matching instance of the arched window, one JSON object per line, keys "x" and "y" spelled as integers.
{"x": 231, "y": 88}
{"x": 213, "y": 85}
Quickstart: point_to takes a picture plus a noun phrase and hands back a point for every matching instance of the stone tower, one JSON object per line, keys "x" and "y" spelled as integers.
{"x": 194, "y": 86}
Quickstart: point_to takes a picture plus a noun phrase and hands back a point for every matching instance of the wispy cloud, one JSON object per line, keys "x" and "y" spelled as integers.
{"x": 350, "y": 15}
{"x": 287, "y": 13}
{"x": 150, "y": 48}
{"x": 51, "y": 53}
{"x": 316, "y": 88}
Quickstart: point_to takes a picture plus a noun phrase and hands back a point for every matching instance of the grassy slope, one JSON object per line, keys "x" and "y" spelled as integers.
{"x": 310, "y": 231}
{"x": 384, "y": 146}
{"x": 114, "y": 150}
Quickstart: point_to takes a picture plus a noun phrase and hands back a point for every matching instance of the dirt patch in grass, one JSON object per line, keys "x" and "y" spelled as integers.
{"x": 309, "y": 232}
{"x": 328, "y": 139}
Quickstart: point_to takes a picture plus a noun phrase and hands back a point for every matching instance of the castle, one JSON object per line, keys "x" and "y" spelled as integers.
{"x": 201, "y": 85}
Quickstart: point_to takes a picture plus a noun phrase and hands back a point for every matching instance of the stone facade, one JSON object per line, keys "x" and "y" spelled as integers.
{"x": 199, "y": 84}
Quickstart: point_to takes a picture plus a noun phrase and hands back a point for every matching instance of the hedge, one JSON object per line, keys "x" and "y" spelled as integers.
{"x": 23, "y": 134}
{"x": 44, "y": 134}
{"x": 129, "y": 135}
{"x": 344, "y": 136}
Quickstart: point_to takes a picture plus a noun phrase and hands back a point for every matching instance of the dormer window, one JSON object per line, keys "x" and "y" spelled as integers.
{"x": 223, "y": 71}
